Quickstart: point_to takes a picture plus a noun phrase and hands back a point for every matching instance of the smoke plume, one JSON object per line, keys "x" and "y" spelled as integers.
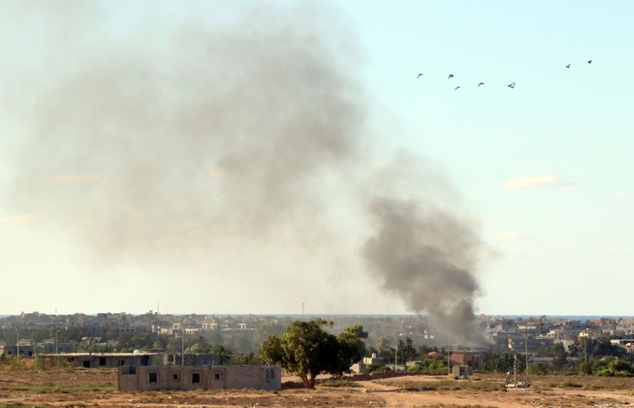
{"x": 426, "y": 257}
{"x": 146, "y": 143}
{"x": 221, "y": 131}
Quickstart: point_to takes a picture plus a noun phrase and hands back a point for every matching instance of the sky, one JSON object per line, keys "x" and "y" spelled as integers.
{"x": 286, "y": 157}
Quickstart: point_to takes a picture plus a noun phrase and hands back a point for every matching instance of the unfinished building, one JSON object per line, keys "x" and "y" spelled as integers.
{"x": 149, "y": 378}
{"x": 102, "y": 360}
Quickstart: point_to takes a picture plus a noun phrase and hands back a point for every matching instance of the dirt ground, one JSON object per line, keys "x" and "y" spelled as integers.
{"x": 97, "y": 388}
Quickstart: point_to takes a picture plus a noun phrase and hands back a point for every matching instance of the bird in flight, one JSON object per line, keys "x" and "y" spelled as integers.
{"x": 511, "y": 85}
{"x": 450, "y": 76}
{"x": 481, "y": 83}
{"x": 568, "y": 66}
{"x": 420, "y": 75}
{"x": 589, "y": 61}
{"x": 456, "y": 88}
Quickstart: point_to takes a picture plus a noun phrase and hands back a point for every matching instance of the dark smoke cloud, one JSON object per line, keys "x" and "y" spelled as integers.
{"x": 236, "y": 135}
{"x": 427, "y": 257}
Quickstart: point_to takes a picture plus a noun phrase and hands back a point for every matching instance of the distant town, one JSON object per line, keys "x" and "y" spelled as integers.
{"x": 28, "y": 334}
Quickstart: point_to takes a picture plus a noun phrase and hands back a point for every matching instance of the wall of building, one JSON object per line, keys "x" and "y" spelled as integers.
{"x": 12, "y": 351}
{"x": 150, "y": 378}
{"x": 468, "y": 359}
{"x": 197, "y": 359}
{"x": 101, "y": 360}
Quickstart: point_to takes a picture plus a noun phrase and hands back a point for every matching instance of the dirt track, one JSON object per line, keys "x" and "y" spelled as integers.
{"x": 97, "y": 388}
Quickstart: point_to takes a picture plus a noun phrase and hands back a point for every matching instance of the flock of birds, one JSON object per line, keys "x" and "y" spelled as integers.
{"x": 511, "y": 85}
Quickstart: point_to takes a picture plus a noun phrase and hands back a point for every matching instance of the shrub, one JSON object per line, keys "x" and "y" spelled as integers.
{"x": 375, "y": 368}
{"x": 416, "y": 369}
{"x": 537, "y": 369}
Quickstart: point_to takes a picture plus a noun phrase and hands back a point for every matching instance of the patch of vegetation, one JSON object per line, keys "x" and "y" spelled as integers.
{"x": 49, "y": 388}
{"x": 582, "y": 382}
{"x": 339, "y": 383}
{"x": 570, "y": 384}
{"x": 376, "y": 368}
{"x": 307, "y": 349}
{"x": 463, "y": 406}
{"x": 443, "y": 385}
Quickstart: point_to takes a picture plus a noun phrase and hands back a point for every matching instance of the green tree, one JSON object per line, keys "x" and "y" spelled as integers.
{"x": 560, "y": 356}
{"x": 609, "y": 366}
{"x": 199, "y": 347}
{"x": 436, "y": 367}
{"x": 537, "y": 369}
{"x": 224, "y": 353}
{"x": 271, "y": 350}
{"x": 384, "y": 349}
{"x": 244, "y": 359}
{"x": 265, "y": 329}
{"x": 498, "y": 362}
{"x": 351, "y": 348}
{"x": 585, "y": 368}
{"x": 130, "y": 342}
{"x": 424, "y": 350}
{"x": 592, "y": 349}
{"x": 306, "y": 349}
{"x": 406, "y": 349}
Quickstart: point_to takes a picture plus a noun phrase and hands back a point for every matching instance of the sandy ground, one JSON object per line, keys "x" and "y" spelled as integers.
{"x": 395, "y": 397}
{"x": 97, "y": 388}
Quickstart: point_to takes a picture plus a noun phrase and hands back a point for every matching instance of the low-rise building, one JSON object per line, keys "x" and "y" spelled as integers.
{"x": 195, "y": 359}
{"x": 151, "y": 378}
{"x": 103, "y": 360}
{"x": 19, "y": 350}
{"x": 460, "y": 358}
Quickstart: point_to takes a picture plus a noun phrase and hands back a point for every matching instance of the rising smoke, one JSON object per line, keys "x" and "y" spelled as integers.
{"x": 214, "y": 131}
{"x": 245, "y": 131}
{"x": 426, "y": 257}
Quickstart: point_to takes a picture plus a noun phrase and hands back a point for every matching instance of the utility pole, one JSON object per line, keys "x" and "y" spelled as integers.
{"x": 514, "y": 367}
{"x": 526, "y": 352}
{"x": 448, "y": 358}
{"x": 182, "y": 344}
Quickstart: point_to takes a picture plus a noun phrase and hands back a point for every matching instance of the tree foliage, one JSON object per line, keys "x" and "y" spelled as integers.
{"x": 498, "y": 362}
{"x": 430, "y": 366}
{"x": 406, "y": 350}
{"x": 351, "y": 348}
{"x": 593, "y": 349}
{"x": 612, "y": 367}
{"x": 306, "y": 349}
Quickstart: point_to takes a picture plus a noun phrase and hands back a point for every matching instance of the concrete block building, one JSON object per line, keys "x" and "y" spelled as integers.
{"x": 103, "y": 360}
{"x": 12, "y": 351}
{"x": 149, "y": 378}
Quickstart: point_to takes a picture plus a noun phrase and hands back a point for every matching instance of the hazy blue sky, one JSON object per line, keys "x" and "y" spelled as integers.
{"x": 221, "y": 157}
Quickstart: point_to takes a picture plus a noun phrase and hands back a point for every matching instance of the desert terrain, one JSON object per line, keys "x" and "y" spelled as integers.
{"x": 79, "y": 387}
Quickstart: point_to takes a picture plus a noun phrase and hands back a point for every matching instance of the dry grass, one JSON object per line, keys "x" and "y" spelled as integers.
{"x": 63, "y": 388}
